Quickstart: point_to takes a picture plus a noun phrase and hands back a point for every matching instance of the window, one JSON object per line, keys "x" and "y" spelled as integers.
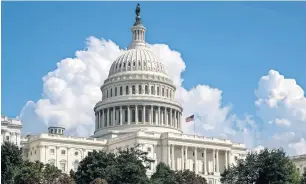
{"x": 134, "y": 63}
{"x": 133, "y": 90}
{"x": 51, "y": 131}
{"x": 146, "y": 90}
{"x": 7, "y": 138}
{"x": 115, "y": 91}
{"x": 157, "y": 90}
{"x": 75, "y": 165}
{"x": 149, "y": 149}
{"x": 106, "y": 93}
{"x": 63, "y": 152}
{"x": 52, "y": 162}
{"x": 35, "y": 152}
{"x": 52, "y": 151}
{"x": 152, "y": 90}
{"x": 236, "y": 158}
{"x": 111, "y": 92}
{"x": 120, "y": 90}
{"x": 62, "y": 166}
{"x": 127, "y": 90}
{"x": 192, "y": 153}
{"x": 167, "y": 92}
{"x": 163, "y": 92}
{"x": 202, "y": 154}
{"x": 76, "y": 153}
{"x": 139, "y": 89}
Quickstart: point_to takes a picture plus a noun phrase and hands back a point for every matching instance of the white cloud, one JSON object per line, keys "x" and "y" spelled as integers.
{"x": 299, "y": 147}
{"x": 281, "y": 105}
{"x": 72, "y": 89}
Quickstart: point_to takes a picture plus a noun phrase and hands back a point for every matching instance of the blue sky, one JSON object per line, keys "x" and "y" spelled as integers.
{"x": 226, "y": 45}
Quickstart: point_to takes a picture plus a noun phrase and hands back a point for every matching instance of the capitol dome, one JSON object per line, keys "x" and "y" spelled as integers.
{"x": 138, "y": 93}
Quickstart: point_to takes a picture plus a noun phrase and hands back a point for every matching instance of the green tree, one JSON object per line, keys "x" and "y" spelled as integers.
{"x": 266, "y": 167}
{"x": 128, "y": 166}
{"x": 303, "y": 179}
{"x": 11, "y": 160}
{"x": 163, "y": 175}
{"x": 30, "y": 172}
{"x": 189, "y": 177}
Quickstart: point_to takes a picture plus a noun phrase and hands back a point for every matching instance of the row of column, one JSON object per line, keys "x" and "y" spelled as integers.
{"x": 13, "y": 137}
{"x": 138, "y": 114}
{"x": 138, "y": 89}
{"x": 184, "y": 158}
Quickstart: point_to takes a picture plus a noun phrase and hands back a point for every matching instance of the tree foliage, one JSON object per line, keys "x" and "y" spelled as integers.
{"x": 266, "y": 167}
{"x": 128, "y": 166}
{"x": 11, "y": 161}
{"x": 163, "y": 175}
{"x": 189, "y": 177}
{"x": 303, "y": 179}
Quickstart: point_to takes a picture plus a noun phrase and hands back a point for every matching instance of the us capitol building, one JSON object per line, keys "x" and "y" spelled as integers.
{"x": 137, "y": 108}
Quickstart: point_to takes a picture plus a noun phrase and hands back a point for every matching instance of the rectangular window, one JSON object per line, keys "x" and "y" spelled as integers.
{"x": 52, "y": 151}
{"x": 157, "y": 90}
{"x": 62, "y": 166}
{"x": 63, "y": 152}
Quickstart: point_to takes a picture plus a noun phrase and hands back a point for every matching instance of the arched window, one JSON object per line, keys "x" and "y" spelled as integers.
{"x": 127, "y": 90}
{"x": 129, "y": 64}
{"x": 152, "y": 90}
{"x": 75, "y": 165}
{"x": 134, "y": 63}
{"x": 157, "y": 91}
{"x": 146, "y": 90}
{"x": 139, "y": 89}
{"x": 133, "y": 90}
{"x": 120, "y": 90}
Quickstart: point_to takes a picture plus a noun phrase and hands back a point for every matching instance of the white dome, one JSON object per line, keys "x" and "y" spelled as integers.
{"x": 138, "y": 93}
{"x": 137, "y": 59}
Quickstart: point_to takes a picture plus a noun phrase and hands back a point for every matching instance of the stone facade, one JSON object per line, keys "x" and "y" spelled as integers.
{"x": 300, "y": 163}
{"x": 10, "y": 130}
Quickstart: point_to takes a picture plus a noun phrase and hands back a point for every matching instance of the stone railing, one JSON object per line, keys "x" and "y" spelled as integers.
{"x": 67, "y": 138}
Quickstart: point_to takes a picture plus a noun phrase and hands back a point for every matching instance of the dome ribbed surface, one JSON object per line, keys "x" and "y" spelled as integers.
{"x": 137, "y": 59}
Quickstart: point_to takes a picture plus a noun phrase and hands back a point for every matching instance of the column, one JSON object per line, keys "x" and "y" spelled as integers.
{"x": 226, "y": 164}
{"x": 107, "y": 117}
{"x": 214, "y": 161}
{"x": 96, "y": 120}
{"x": 205, "y": 162}
{"x": 218, "y": 161}
{"x": 159, "y": 119}
{"x": 186, "y": 158}
{"x": 120, "y": 115}
{"x": 169, "y": 155}
{"x": 195, "y": 160}
{"x": 152, "y": 114}
{"x": 144, "y": 114}
{"x": 102, "y": 118}
{"x": 114, "y": 116}
{"x": 172, "y": 158}
{"x": 182, "y": 158}
{"x": 171, "y": 122}
{"x": 99, "y": 120}
{"x": 136, "y": 114}
{"x": 129, "y": 115}
{"x": 229, "y": 158}
{"x": 166, "y": 116}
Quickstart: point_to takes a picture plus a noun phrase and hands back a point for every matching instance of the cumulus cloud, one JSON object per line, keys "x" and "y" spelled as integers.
{"x": 281, "y": 105}
{"x": 72, "y": 89}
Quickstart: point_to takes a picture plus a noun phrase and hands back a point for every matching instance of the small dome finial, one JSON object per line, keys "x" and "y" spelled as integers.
{"x": 137, "y": 11}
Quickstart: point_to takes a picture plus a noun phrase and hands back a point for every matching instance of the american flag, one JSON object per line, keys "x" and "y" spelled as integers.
{"x": 190, "y": 118}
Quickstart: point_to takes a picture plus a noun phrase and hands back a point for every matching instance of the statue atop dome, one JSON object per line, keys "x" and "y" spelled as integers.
{"x": 137, "y": 11}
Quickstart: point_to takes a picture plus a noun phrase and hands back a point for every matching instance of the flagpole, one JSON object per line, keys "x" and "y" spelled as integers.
{"x": 194, "y": 126}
